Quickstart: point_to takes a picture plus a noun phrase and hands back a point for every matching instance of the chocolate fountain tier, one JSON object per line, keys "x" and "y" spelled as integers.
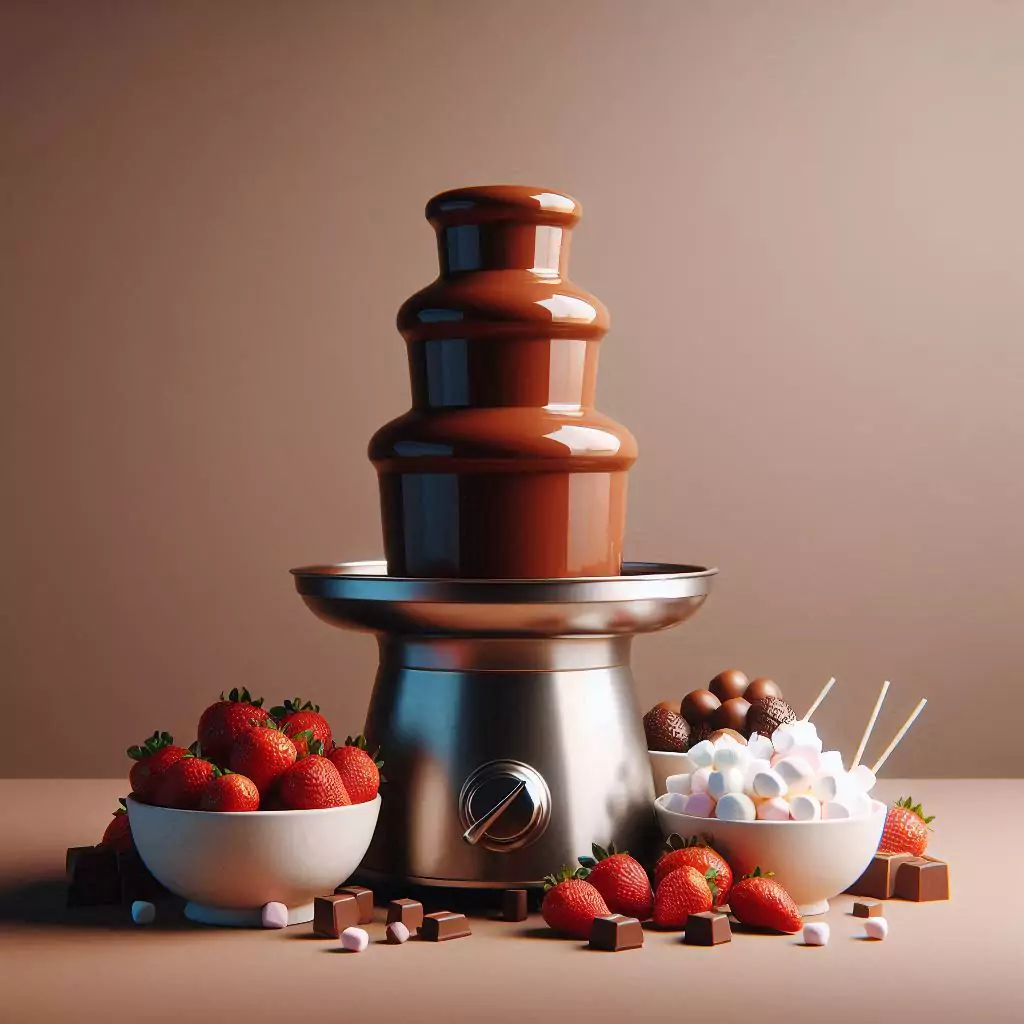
{"x": 502, "y": 469}
{"x": 505, "y": 714}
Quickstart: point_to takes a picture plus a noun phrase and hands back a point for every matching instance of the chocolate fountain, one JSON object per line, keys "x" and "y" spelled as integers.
{"x": 504, "y": 704}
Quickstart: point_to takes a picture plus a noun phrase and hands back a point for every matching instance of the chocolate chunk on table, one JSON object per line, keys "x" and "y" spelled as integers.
{"x": 137, "y": 882}
{"x": 879, "y": 878}
{"x": 409, "y": 912}
{"x": 444, "y": 925}
{"x": 616, "y": 933}
{"x": 923, "y": 880}
{"x": 710, "y": 928}
{"x": 363, "y": 896}
{"x": 868, "y": 908}
{"x": 514, "y": 905}
{"x": 93, "y": 874}
{"x": 333, "y": 914}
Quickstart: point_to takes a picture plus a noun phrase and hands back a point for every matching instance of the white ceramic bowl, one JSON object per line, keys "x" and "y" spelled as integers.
{"x": 229, "y": 865}
{"x": 814, "y": 860}
{"x": 663, "y": 764}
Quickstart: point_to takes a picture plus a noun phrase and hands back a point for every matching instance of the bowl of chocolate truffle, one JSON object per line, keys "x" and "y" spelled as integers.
{"x": 731, "y": 704}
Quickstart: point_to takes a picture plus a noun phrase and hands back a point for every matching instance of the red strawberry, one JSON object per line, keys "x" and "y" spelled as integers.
{"x": 312, "y": 782}
{"x": 681, "y": 893}
{"x": 227, "y": 791}
{"x": 118, "y": 833}
{"x": 360, "y": 770}
{"x": 571, "y": 904}
{"x": 222, "y": 723}
{"x": 297, "y": 717}
{"x": 182, "y": 784}
{"x": 621, "y": 880}
{"x": 152, "y": 759}
{"x": 906, "y": 829}
{"x": 758, "y": 900}
{"x": 695, "y": 853}
{"x": 262, "y": 754}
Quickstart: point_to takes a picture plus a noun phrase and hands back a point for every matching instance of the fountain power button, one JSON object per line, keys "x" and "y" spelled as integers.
{"x": 504, "y": 806}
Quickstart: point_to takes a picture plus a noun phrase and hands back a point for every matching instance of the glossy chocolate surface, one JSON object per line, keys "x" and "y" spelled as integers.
{"x": 728, "y": 684}
{"x": 502, "y": 469}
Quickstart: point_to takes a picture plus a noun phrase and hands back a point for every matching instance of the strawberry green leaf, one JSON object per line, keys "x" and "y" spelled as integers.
{"x": 587, "y": 862}
{"x": 314, "y": 746}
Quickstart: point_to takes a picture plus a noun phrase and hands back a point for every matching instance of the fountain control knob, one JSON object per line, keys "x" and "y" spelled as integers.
{"x": 504, "y": 806}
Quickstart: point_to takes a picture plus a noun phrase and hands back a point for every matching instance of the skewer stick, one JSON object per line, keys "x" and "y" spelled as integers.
{"x": 896, "y": 739}
{"x": 871, "y": 725}
{"x": 821, "y": 696}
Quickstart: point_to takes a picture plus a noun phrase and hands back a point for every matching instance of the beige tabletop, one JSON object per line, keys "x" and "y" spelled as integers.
{"x": 959, "y": 960}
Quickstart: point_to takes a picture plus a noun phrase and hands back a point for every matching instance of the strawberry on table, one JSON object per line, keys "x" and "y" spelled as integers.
{"x": 262, "y": 754}
{"x": 621, "y": 880}
{"x": 118, "y": 833}
{"x": 906, "y": 829}
{"x": 223, "y": 722}
{"x": 694, "y": 853}
{"x": 152, "y": 758}
{"x": 571, "y": 903}
{"x": 182, "y": 784}
{"x": 758, "y": 900}
{"x": 360, "y": 770}
{"x": 296, "y": 716}
{"x": 312, "y": 782}
{"x": 227, "y": 791}
{"x": 681, "y": 893}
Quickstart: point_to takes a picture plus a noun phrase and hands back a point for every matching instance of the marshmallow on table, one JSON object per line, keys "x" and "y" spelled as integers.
{"x": 678, "y": 784}
{"x": 396, "y": 933}
{"x": 700, "y": 805}
{"x": 699, "y": 780}
{"x": 769, "y": 784}
{"x": 736, "y": 807}
{"x": 729, "y": 755}
{"x": 143, "y": 912}
{"x": 355, "y": 939}
{"x": 816, "y": 934}
{"x": 729, "y": 780}
{"x": 776, "y": 809}
{"x": 274, "y": 915}
{"x": 804, "y": 807}
{"x": 876, "y": 927}
{"x": 796, "y": 773}
{"x": 702, "y": 755}
{"x": 675, "y": 802}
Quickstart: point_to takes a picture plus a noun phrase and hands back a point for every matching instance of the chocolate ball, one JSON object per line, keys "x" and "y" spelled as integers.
{"x": 758, "y": 689}
{"x": 699, "y": 705}
{"x": 732, "y": 733}
{"x": 767, "y": 714}
{"x": 728, "y": 684}
{"x": 666, "y": 730}
{"x": 732, "y": 715}
{"x": 668, "y": 705}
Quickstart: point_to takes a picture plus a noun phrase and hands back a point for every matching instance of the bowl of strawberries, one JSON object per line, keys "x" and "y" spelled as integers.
{"x": 265, "y": 807}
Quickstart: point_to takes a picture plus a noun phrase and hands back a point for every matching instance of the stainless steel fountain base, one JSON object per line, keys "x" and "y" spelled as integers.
{"x": 505, "y": 714}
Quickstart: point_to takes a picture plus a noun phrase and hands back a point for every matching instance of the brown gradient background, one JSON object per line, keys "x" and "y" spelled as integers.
{"x": 806, "y": 219}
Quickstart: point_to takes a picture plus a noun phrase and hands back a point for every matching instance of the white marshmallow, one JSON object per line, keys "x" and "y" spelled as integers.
{"x": 760, "y": 746}
{"x": 675, "y": 802}
{"x": 835, "y": 809}
{"x": 783, "y": 740}
{"x": 776, "y": 809}
{"x": 806, "y": 735}
{"x": 804, "y": 807}
{"x": 729, "y": 756}
{"x": 769, "y": 784}
{"x": 355, "y": 939}
{"x": 700, "y": 805}
{"x": 824, "y": 787}
{"x": 808, "y": 754}
{"x": 754, "y": 766}
{"x": 699, "y": 780}
{"x": 816, "y": 934}
{"x": 860, "y": 805}
{"x": 736, "y": 807}
{"x": 729, "y": 780}
{"x": 143, "y": 912}
{"x": 863, "y": 778}
{"x": 796, "y": 773}
{"x": 274, "y": 915}
{"x": 702, "y": 754}
{"x": 678, "y": 784}
{"x": 831, "y": 761}
{"x": 876, "y": 927}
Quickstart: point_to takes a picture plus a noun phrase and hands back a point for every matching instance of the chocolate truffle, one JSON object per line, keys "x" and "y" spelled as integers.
{"x": 732, "y": 715}
{"x": 666, "y": 730}
{"x": 699, "y": 705}
{"x": 758, "y": 689}
{"x": 767, "y": 714}
{"x": 728, "y": 684}
{"x": 668, "y": 705}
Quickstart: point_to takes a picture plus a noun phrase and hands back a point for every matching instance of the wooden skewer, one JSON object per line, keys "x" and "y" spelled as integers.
{"x": 899, "y": 736}
{"x": 871, "y": 725}
{"x": 821, "y": 696}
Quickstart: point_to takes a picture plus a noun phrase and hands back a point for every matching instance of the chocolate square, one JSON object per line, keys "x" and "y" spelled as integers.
{"x": 409, "y": 912}
{"x": 137, "y": 883}
{"x": 364, "y": 897}
{"x": 85, "y": 862}
{"x": 868, "y": 908}
{"x": 514, "y": 905}
{"x": 616, "y": 933}
{"x": 444, "y": 925}
{"x": 709, "y": 928}
{"x": 333, "y": 914}
{"x": 879, "y": 878}
{"x": 923, "y": 880}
